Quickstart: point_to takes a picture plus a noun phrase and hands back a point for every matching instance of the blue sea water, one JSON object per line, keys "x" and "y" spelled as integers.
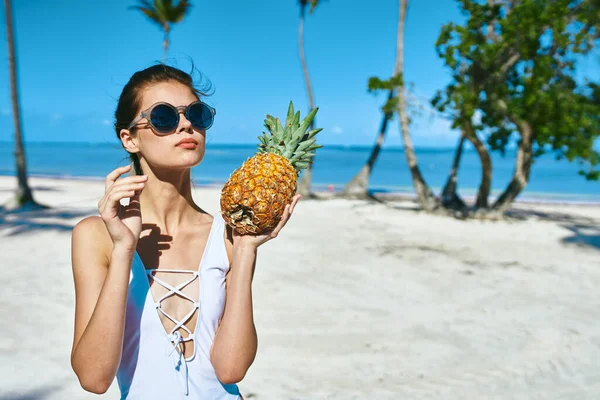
{"x": 334, "y": 166}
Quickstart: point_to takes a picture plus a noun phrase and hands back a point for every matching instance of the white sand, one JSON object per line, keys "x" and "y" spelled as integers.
{"x": 354, "y": 300}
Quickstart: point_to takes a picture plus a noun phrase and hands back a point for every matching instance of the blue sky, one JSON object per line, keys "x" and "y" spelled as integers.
{"x": 75, "y": 56}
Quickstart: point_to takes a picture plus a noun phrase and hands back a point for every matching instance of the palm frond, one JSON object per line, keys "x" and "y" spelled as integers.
{"x": 313, "y": 4}
{"x": 163, "y": 12}
{"x": 152, "y": 15}
{"x": 178, "y": 12}
{"x": 144, "y": 3}
{"x": 162, "y": 8}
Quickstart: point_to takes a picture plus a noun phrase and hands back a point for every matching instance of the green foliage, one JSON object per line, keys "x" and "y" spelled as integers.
{"x": 313, "y": 4}
{"x": 163, "y": 12}
{"x": 390, "y": 106}
{"x": 291, "y": 141}
{"x": 376, "y": 85}
{"x": 515, "y": 63}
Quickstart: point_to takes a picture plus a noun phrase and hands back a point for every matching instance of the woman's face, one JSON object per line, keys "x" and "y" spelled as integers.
{"x": 168, "y": 151}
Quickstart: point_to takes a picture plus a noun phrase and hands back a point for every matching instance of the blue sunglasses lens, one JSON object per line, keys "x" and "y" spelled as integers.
{"x": 200, "y": 115}
{"x": 164, "y": 118}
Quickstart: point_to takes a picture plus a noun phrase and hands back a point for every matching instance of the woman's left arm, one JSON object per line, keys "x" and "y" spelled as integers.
{"x": 236, "y": 342}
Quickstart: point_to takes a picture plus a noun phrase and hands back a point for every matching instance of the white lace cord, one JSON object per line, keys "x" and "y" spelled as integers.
{"x": 175, "y": 336}
{"x": 177, "y": 340}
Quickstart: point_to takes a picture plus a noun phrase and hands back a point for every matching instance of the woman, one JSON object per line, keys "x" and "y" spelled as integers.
{"x": 163, "y": 289}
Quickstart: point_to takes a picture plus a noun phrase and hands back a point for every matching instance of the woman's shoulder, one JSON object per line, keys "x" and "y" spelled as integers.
{"x": 91, "y": 226}
{"x": 91, "y": 235}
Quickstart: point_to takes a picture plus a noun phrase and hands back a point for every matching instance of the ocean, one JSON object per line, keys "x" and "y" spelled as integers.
{"x": 551, "y": 179}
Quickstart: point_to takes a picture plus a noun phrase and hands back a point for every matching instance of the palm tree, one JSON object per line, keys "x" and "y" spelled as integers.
{"x": 164, "y": 13}
{"x": 450, "y": 197}
{"x": 24, "y": 196}
{"x": 359, "y": 185}
{"x": 305, "y": 181}
{"x": 424, "y": 195}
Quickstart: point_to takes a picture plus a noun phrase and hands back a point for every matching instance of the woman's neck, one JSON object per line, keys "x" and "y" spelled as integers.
{"x": 167, "y": 201}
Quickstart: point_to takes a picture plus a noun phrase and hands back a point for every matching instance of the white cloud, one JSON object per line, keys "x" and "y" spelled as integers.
{"x": 337, "y": 130}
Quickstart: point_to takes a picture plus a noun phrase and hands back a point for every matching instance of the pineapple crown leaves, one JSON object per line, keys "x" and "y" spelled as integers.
{"x": 291, "y": 140}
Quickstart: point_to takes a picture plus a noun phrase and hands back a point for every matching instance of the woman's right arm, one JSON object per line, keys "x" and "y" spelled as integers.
{"x": 102, "y": 252}
{"x": 101, "y": 277}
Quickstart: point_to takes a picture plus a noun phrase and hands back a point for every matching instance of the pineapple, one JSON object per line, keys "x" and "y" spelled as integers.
{"x": 254, "y": 197}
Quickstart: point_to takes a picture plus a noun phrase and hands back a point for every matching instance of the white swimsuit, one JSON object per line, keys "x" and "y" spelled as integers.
{"x": 152, "y": 364}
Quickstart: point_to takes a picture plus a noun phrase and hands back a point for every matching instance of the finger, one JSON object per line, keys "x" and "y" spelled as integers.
{"x": 132, "y": 178}
{"x": 112, "y": 206}
{"x": 282, "y": 221}
{"x": 295, "y": 201}
{"x": 127, "y": 186}
{"x": 127, "y": 181}
{"x": 112, "y": 197}
{"x": 117, "y": 196}
{"x": 115, "y": 174}
{"x": 136, "y": 183}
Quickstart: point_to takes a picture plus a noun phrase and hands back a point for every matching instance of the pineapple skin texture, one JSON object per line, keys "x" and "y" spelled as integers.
{"x": 254, "y": 197}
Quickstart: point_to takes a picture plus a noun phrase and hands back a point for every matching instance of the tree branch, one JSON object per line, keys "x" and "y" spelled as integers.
{"x": 509, "y": 63}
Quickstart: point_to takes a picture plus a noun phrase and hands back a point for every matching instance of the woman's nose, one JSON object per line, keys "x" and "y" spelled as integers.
{"x": 184, "y": 123}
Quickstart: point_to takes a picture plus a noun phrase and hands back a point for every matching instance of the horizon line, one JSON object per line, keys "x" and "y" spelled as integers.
{"x": 247, "y": 144}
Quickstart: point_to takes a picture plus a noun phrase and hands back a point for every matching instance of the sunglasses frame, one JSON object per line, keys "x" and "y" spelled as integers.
{"x": 178, "y": 110}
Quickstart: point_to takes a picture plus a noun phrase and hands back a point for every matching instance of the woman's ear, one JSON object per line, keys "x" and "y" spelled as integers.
{"x": 129, "y": 141}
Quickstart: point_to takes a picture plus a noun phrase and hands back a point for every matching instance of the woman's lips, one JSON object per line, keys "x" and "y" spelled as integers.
{"x": 187, "y": 143}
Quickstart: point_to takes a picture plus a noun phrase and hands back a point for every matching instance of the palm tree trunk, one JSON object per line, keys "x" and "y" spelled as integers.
{"x": 166, "y": 42}
{"x": 486, "y": 166}
{"x": 424, "y": 195}
{"x": 23, "y": 194}
{"x": 359, "y": 185}
{"x": 305, "y": 181}
{"x": 522, "y": 169}
{"x": 450, "y": 198}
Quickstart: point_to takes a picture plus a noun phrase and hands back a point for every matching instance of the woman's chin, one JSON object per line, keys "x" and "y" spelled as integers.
{"x": 182, "y": 165}
{"x": 189, "y": 159}
{"x": 195, "y": 163}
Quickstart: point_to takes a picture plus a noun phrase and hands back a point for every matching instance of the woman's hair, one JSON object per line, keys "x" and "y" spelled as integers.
{"x": 130, "y": 100}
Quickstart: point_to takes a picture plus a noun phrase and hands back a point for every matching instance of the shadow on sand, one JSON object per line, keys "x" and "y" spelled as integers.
{"x": 34, "y": 188}
{"x": 33, "y": 394}
{"x": 585, "y": 231}
{"x": 16, "y": 222}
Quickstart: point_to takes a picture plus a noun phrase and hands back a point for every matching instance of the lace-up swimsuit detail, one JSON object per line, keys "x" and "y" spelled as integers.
{"x": 174, "y": 335}
{"x": 153, "y": 363}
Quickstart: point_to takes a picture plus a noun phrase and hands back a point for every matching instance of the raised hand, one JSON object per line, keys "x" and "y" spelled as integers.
{"x": 124, "y": 223}
{"x": 257, "y": 240}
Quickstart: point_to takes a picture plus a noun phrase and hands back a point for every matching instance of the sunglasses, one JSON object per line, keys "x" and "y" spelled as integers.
{"x": 164, "y": 117}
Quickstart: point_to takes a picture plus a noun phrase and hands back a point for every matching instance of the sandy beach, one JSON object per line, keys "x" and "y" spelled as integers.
{"x": 354, "y": 300}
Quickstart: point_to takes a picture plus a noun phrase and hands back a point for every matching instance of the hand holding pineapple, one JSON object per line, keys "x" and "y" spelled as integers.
{"x": 259, "y": 196}
{"x": 254, "y": 241}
